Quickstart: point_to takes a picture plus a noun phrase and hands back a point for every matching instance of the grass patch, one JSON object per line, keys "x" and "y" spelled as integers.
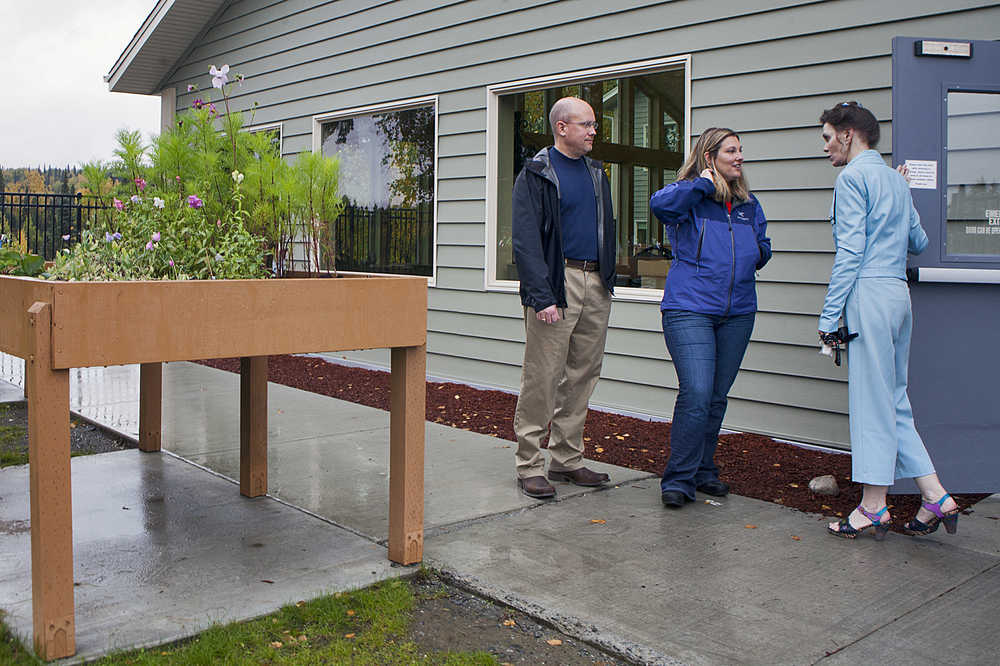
{"x": 12, "y": 650}
{"x": 11, "y": 437}
{"x": 366, "y": 626}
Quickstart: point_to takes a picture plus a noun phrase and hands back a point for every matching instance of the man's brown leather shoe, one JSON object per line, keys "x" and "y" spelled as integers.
{"x": 581, "y": 477}
{"x": 537, "y": 487}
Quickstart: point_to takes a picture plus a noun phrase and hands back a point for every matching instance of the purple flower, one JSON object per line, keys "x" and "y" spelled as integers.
{"x": 141, "y": 182}
{"x": 108, "y": 237}
{"x": 220, "y": 77}
{"x": 149, "y": 245}
{"x": 171, "y": 263}
{"x": 135, "y": 198}
{"x": 156, "y": 236}
{"x": 211, "y": 109}
{"x": 66, "y": 237}
{"x": 218, "y": 223}
{"x": 118, "y": 204}
{"x": 198, "y": 103}
{"x": 117, "y": 235}
{"x": 195, "y": 202}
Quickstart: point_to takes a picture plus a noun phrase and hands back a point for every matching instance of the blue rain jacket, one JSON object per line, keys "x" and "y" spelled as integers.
{"x": 715, "y": 252}
{"x": 874, "y": 226}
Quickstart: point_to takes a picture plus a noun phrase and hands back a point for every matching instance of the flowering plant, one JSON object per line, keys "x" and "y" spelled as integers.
{"x": 203, "y": 203}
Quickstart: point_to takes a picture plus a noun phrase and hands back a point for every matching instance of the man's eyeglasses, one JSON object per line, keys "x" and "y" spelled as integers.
{"x": 588, "y": 124}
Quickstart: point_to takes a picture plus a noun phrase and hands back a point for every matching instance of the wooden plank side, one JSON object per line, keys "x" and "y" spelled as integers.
{"x": 17, "y": 294}
{"x": 137, "y": 322}
{"x": 408, "y": 396}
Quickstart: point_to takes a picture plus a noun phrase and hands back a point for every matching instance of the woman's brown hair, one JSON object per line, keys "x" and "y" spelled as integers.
{"x": 709, "y": 142}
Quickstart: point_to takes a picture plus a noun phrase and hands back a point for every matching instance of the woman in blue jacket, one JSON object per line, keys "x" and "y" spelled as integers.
{"x": 718, "y": 236}
{"x": 874, "y": 226}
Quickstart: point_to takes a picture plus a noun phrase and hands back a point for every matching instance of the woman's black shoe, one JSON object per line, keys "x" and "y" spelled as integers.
{"x": 716, "y": 488}
{"x": 673, "y": 499}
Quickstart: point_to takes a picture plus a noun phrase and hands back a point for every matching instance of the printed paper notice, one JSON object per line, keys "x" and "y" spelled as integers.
{"x": 923, "y": 174}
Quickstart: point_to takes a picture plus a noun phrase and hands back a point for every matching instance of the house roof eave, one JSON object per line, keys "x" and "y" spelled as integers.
{"x": 166, "y": 34}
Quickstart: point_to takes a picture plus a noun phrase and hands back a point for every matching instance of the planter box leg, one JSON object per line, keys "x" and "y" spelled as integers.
{"x": 406, "y": 454}
{"x": 150, "y": 406}
{"x": 51, "y": 498}
{"x": 253, "y": 426}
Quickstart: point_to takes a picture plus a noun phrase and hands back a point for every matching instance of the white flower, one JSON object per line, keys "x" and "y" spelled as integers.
{"x": 220, "y": 77}
{"x": 135, "y": 198}
{"x": 218, "y": 257}
{"x": 237, "y": 177}
{"x": 158, "y": 202}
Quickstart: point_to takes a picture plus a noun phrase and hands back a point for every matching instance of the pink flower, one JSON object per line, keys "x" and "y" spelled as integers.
{"x": 118, "y": 204}
{"x": 149, "y": 245}
{"x": 156, "y": 236}
{"x": 218, "y": 223}
{"x": 195, "y": 202}
{"x": 141, "y": 183}
{"x": 177, "y": 178}
{"x": 171, "y": 263}
{"x": 192, "y": 87}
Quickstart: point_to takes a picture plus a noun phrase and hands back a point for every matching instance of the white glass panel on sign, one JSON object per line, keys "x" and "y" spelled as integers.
{"x": 973, "y": 151}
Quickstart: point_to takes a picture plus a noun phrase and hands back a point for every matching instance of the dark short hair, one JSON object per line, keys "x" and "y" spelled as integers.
{"x": 851, "y": 115}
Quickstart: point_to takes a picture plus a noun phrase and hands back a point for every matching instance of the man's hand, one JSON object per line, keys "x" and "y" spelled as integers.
{"x": 549, "y": 315}
{"x": 904, "y": 171}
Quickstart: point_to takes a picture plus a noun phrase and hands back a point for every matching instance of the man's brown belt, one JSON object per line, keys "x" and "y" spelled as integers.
{"x": 583, "y": 265}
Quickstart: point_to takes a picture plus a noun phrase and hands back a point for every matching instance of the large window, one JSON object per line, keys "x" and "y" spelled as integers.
{"x": 642, "y": 111}
{"x": 387, "y": 165}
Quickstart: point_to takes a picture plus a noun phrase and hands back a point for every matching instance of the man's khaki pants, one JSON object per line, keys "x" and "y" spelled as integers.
{"x": 562, "y": 363}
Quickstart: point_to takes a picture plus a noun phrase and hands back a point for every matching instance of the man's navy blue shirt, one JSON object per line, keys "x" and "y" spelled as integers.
{"x": 577, "y": 207}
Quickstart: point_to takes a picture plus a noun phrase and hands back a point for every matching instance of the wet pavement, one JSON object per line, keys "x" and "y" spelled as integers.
{"x": 164, "y": 544}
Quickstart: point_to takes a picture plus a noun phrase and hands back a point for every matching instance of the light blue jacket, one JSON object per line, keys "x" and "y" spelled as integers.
{"x": 874, "y": 226}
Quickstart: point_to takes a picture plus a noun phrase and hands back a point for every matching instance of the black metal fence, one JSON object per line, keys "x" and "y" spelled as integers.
{"x": 48, "y": 222}
{"x": 385, "y": 240}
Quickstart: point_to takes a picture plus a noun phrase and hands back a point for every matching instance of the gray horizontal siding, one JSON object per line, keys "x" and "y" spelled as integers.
{"x": 767, "y": 69}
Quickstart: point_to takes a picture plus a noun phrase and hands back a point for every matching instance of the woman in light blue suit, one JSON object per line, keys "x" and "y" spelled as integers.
{"x": 874, "y": 226}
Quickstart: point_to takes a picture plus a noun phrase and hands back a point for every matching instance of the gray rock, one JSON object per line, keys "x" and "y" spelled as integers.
{"x": 825, "y": 485}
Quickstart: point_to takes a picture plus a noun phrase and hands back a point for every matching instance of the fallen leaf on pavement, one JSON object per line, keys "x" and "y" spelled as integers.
{"x": 750, "y": 527}
{"x": 795, "y": 538}
{"x": 509, "y": 623}
{"x": 554, "y": 641}
{"x": 598, "y": 521}
{"x": 599, "y": 449}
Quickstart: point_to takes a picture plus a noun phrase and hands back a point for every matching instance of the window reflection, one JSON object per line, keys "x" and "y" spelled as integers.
{"x": 640, "y": 141}
{"x": 387, "y": 180}
{"x": 973, "y": 203}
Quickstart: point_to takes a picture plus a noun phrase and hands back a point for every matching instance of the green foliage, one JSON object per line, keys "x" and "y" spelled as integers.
{"x": 252, "y": 204}
{"x": 154, "y": 239}
{"x": 16, "y": 260}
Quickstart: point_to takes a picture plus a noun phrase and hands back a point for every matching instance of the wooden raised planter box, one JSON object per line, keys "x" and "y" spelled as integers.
{"x": 56, "y": 326}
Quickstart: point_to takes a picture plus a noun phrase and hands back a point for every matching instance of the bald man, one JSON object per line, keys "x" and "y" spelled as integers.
{"x": 564, "y": 247}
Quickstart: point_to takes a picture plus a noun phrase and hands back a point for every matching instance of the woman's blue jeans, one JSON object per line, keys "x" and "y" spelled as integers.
{"x": 706, "y": 351}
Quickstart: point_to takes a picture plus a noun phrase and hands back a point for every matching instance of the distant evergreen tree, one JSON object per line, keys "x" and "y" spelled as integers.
{"x": 3, "y": 182}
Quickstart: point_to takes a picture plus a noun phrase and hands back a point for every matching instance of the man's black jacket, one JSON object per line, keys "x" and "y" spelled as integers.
{"x": 537, "y": 235}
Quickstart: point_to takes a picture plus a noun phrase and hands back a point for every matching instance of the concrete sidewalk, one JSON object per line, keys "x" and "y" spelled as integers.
{"x": 163, "y": 547}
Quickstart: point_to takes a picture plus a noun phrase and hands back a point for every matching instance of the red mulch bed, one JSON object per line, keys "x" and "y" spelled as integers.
{"x": 753, "y": 465}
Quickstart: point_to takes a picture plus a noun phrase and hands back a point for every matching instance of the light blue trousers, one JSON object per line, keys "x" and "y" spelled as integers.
{"x": 885, "y": 445}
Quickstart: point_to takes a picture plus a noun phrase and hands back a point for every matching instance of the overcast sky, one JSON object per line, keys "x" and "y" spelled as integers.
{"x": 55, "y": 108}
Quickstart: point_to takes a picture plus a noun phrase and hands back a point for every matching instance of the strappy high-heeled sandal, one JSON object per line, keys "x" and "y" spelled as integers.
{"x": 847, "y": 531}
{"x": 918, "y": 527}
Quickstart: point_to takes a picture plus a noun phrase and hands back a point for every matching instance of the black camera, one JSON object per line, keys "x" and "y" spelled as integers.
{"x": 836, "y": 341}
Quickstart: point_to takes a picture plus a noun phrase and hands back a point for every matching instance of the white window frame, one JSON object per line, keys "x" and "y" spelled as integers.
{"x": 493, "y": 93}
{"x": 317, "y": 145}
{"x": 253, "y": 129}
